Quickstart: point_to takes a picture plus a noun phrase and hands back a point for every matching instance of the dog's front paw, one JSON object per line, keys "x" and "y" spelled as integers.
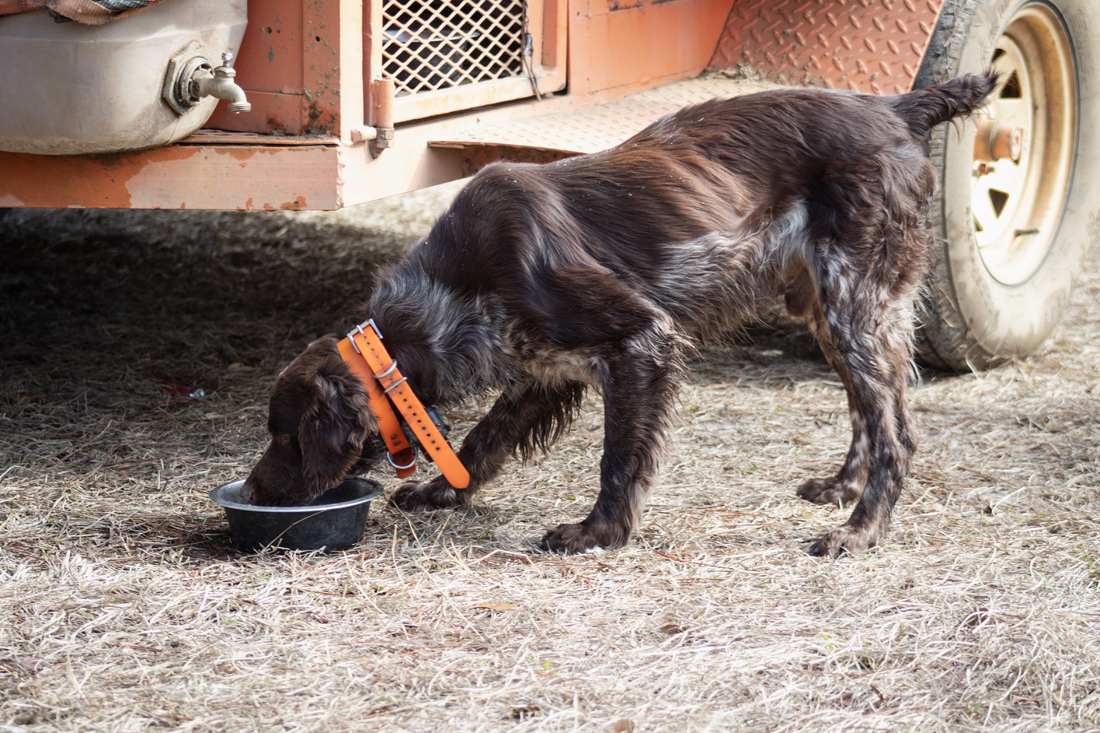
{"x": 418, "y": 496}
{"x": 829, "y": 491}
{"x": 844, "y": 539}
{"x": 577, "y": 538}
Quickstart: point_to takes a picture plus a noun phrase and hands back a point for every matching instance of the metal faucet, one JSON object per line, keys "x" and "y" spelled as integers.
{"x": 190, "y": 77}
{"x": 220, "y": 84}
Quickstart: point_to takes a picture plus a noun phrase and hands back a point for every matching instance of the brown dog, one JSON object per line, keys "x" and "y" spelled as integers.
{"x": 604, "y": 269}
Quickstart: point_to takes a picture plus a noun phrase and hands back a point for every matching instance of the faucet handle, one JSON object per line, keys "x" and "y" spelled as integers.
{"x": 225, "y": 71}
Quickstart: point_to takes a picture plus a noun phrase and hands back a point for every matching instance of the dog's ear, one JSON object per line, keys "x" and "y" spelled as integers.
{"x": 334, "y": 426}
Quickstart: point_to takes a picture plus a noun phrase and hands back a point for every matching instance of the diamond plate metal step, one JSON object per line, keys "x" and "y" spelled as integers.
{"x": 588, "y": 130}
{"x": 872, "y": 46}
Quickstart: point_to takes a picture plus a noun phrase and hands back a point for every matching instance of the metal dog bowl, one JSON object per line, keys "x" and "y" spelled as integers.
{"x": 332, "y": 521}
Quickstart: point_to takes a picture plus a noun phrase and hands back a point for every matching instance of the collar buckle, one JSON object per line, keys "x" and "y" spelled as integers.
{"x": 359, "y": 329}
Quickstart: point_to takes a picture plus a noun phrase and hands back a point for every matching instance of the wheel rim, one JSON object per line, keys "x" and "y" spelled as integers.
{"x": 1017, "y": 206}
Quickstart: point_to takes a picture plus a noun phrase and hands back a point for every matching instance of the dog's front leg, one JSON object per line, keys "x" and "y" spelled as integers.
{"x": 639, "y": 393}
{"x": 523, "y": 417}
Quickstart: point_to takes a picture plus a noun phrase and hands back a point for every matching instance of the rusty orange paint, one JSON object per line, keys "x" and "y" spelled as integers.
{"x": 373, "y": 37}
{"x": 296, "y": 205}
{"x": 237, "y": 153}
{"x": 94, "y": 181}
{"x": 289, "y": 65}
{"x": 321, "y": 64}
{"x": 629, "y": 46}
{"x": 177, "y": 176}
{"x": 271, "y": 52}
{"x": 269, "y": 69}
{"x": 279, "y": 113}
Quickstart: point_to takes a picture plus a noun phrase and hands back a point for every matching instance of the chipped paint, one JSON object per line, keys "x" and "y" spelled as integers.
{"x": 180, "y": 176}
{"x": 93, "y": 181}
{"x": 238, "y": 153}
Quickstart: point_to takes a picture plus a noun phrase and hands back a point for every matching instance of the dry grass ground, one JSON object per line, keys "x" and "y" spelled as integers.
{"x": 123, "y": 608}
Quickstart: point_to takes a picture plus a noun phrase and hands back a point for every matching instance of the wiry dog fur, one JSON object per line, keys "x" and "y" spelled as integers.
{"x": 602, "y": 270}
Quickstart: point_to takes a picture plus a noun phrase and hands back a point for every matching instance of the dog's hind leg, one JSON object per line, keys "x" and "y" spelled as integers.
{"x": 868, "y": 326}
{"x": 639, "y": 392}
{"x": 803, "y": 302}
{"x": 847, "y": 485}
{"x": 523, "y": 419}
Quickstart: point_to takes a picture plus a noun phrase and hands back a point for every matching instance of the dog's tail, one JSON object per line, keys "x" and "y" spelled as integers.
{"x": 925, "y": 108}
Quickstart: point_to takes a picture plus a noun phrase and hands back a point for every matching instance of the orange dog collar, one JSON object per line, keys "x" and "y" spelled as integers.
{"x": 369, "y": 361}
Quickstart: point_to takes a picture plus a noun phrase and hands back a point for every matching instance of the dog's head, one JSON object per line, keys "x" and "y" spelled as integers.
{"x": 322, "y": 428}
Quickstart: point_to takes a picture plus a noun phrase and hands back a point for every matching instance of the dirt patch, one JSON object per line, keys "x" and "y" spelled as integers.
{"x": 125, "y": 608}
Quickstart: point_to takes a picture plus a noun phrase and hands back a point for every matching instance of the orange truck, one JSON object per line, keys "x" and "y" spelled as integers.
{"x": 331, "y": 103}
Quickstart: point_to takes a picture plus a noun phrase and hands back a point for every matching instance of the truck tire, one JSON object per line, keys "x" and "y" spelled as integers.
{"x": 1009, "y": 238}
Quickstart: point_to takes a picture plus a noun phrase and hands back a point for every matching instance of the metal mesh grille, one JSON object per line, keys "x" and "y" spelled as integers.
{"x": 439, "y": 44}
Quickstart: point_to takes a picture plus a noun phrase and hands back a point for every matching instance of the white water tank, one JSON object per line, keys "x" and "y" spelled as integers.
{"x": 67, "y": 88}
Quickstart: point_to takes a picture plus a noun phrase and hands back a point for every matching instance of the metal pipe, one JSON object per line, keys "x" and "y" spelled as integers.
{"x": 382, "y": 93}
